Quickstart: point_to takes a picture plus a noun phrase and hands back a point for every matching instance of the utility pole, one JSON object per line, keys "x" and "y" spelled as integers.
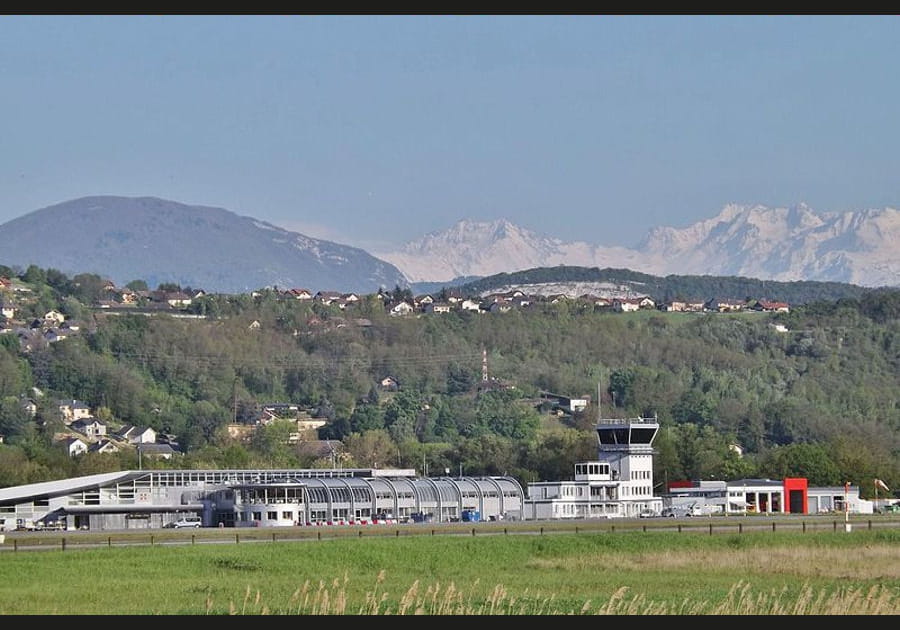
{"x": 234, "y": 401}
{"x": 847, "y": 506}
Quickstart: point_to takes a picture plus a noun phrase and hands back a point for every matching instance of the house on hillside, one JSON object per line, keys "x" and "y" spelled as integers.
{"x": 91, "y": 427}
{"x": 724, "y": 305}
{"x": 595, "y": 300}
{"x": 400, "y": 309}
{"x": 71, "y": 410}
{"x": 300, "y": 294}
{"x": 103, "y": 446}
{"x": 772, "y": 307}
{"x": 53, "y": 318}
{"x": 451, "y": 295}
{"x": 134, "y": 435}
{"x": 567, "y": 403}
{"x": 389, "y": 383}
{"x": 437, "y": 307}
{"x": 178, "y": 299}
{"x": 52, "y": 335}
{"x": 75, "y": 446}
{"x": 626, "y": 305}
{"x": 500, "y": 305}
{"x": 160, "y": 451}
{"x": 327, "y": 297}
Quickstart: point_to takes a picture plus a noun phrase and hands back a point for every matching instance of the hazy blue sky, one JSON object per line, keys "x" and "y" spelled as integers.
{"x": 372, "y": 130}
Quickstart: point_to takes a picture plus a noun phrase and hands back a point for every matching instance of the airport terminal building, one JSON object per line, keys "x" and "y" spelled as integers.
{"x": 255, "y": 498}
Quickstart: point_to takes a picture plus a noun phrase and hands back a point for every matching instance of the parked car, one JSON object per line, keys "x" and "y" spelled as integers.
{"x": 648, "y": 513}
{"x": 187, "y": 521}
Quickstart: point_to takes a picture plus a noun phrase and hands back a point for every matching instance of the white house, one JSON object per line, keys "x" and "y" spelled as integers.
{"x": 90, "y": 427}
{"x": 401, "y": 308}
{"x": 75, "y": 446}
{"x": 137, "y": 436}
{"x": 54, "y": 317}
{"x": 626, "y": 305}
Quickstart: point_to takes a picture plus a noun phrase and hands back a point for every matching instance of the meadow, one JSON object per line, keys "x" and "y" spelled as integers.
{"x": 592, "y": 573}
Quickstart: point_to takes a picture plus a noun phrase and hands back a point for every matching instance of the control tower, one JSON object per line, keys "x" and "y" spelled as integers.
{"x": 626, "y": 444}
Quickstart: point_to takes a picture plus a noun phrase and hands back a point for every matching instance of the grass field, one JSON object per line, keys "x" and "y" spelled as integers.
{"x": 651, "y": 572}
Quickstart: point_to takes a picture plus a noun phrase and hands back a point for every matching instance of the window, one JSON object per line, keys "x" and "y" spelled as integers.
{"x": 257, "y": 516}
{"x": 288, "y": 516}
{"x": 272, "y": 516}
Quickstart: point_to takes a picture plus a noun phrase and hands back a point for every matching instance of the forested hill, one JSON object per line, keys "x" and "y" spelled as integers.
{"x": 672, "y": 287}
{"x": 809, "y": 393}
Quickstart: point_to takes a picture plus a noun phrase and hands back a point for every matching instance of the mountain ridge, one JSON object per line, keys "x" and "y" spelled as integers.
{"x": 162, "y": 241}
{"x": 756, "y": 241}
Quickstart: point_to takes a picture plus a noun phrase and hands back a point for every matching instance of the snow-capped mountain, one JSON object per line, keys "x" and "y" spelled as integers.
{"x": 472, "y": 248}
{"x": 783, "y": 244}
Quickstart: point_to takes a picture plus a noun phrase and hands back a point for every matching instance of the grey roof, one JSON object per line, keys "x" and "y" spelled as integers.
{"x": 377, "y": 479}
{"x": 62, "y": 486}
{"x": 157, "y": 449}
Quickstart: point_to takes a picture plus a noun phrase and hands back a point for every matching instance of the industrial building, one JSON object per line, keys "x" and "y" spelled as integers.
{"x": 765, "y": 496}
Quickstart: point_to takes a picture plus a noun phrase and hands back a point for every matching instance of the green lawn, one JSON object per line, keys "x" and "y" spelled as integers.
{"x": 633, "y": 572}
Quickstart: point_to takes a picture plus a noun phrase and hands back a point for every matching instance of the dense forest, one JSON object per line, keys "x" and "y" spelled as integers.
{"x": 815, "y": 396}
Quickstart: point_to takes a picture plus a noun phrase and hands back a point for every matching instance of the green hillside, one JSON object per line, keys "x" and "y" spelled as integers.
{"x": 814, "y": 397}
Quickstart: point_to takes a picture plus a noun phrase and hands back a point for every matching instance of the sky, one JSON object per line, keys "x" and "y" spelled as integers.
{"x": 374, "y": 130}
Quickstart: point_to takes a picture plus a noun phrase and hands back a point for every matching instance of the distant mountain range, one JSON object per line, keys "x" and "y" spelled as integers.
{"x": 783, "y": 244}
{"x": 159, "y": 241}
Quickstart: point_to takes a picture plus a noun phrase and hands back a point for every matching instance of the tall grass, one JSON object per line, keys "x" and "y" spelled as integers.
{"x": 450, "y": 600}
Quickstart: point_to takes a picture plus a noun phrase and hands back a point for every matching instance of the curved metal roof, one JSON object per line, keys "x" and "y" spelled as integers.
{"x": 63, "y": 486}
{"x": 424, "y": 487}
